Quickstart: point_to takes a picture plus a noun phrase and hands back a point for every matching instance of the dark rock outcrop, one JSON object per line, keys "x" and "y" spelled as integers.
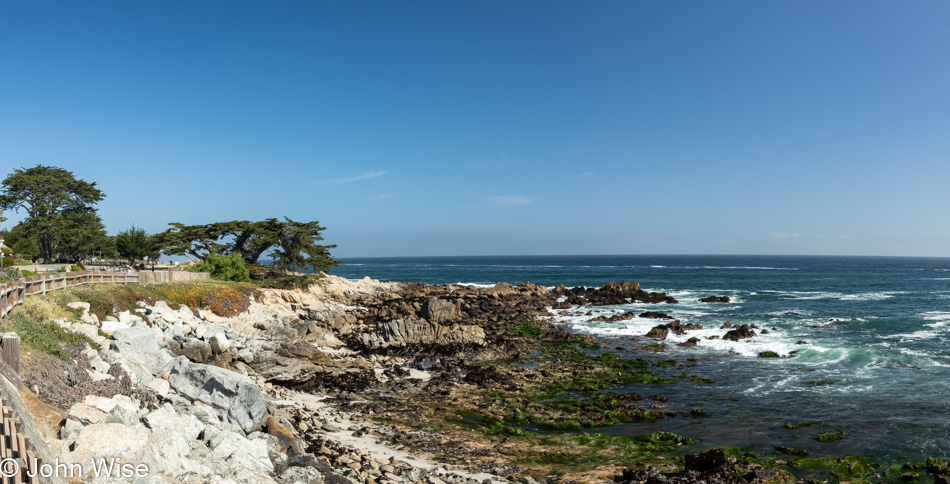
{"x": 615, "y": 318}
{"x": 658, "y": 332}
{"x": 654, "y": 315}
{"x": 675, "y": 327}
{"x": 715, "y": 299}
{"x": 615, "y": 293}
{"x": 742, "y": 332}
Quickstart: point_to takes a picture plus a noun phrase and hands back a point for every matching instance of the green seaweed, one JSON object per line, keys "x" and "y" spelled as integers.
{"x": 842, "y": 468}
{"x": 781, "y": 449}
{"x": 830, "y": 437}
{"x": 798, "y": 425}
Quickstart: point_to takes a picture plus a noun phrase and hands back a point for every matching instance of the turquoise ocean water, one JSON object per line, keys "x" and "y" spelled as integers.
{"x": 878, "y": 328}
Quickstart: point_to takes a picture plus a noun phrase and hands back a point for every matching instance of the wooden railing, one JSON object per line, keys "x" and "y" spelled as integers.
{"x": 15, "y": 444}
{"x": 15, "y": 292}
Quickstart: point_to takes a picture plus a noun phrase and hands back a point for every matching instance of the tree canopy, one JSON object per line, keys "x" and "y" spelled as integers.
{"x": 134, "y": 243}
{"x": 294, "y": 245}
{"x": 56, "y": 203}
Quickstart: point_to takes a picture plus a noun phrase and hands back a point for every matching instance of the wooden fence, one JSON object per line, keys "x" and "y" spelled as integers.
{"x": 15, "y": 292}
{"x": 15, "y": 444}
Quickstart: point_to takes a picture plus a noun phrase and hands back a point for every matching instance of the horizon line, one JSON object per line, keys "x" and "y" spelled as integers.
{"x": 643, "y": 255}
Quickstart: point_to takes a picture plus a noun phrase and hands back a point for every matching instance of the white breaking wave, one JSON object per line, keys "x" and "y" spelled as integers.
{"x": 577, "y": 319}
{"x": 936, "y": 315}
{"x": 815, "y": 295}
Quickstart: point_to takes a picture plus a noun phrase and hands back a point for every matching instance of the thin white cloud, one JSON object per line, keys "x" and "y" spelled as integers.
{"x": 384, "y": 195}
{"x": 782, "y": 236}
{"x": 349, "y": 179}
{"x": 510, "y": 200}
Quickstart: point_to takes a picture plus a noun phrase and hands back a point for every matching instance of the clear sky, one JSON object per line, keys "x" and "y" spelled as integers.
{"x": 498, "y": 127}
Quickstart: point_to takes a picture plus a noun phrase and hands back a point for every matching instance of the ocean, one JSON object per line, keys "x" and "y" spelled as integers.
{"x": 865, "y": 342}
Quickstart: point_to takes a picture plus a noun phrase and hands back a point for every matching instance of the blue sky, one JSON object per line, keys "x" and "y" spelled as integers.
{"x": 498, "y": 127}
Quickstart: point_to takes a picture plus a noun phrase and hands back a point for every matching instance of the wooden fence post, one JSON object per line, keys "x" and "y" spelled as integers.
{"x": 10, "y": 354}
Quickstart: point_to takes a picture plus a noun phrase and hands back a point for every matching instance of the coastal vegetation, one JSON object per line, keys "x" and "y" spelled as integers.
{"x": 60, "y": 210}
{"x": 134, "y": 244}
{"x": 293, "y": 246}
{"x": 62, "y": 224}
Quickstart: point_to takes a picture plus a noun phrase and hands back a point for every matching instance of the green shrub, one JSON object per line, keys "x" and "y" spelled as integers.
{"x": 224, "y": 268}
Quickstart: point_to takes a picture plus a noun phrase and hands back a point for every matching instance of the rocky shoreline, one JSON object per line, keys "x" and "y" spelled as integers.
{"x": 375, "y": 383}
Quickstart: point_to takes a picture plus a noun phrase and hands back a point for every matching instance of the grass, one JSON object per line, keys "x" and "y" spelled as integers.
{"x": 43, "y": 335}
{"x": 34, "y": 319}
{"x": 104, "y": 299}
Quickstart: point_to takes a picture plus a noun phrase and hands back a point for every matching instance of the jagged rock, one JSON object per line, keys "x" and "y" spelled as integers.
{"x": 285, "y": 438}
{"x": 351, "y": 374}
{"x": 235, "y": 396}
{"x": 248, "y": 458}
{"x": 938, "y": 466}
{"x": 404, "y": 332}
{"x": 437, "y": 310}
{"x": 139, "y": 345}
{"x": 675, "y": 327}
{"x": 654, "y": 315}
{"x": 622, "y": 286}
{"x": 742, "y": 332}
{"x": 160, "y": 386}
{"x": 615, "y": 318}
{"x": 706, "y": 461}
{"x": 715, "y": 299}
{"x": 196, "y": 350}
{"x": 219, "y": 343}
{"x": 79, "y": 416}
{"x": 166, "y": 451}
{"x": 110, "y": 326}
{"x": 112, "y": 440}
